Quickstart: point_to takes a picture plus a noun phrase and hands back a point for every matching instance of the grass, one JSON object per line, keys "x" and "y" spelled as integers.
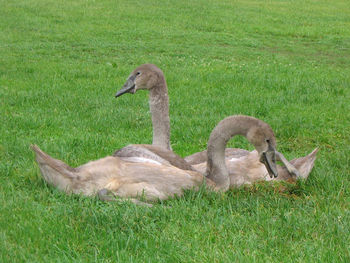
{"x": 285, "y": 62}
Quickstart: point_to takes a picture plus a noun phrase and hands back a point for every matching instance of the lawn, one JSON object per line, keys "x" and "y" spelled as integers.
{"x": 285, "y": 62}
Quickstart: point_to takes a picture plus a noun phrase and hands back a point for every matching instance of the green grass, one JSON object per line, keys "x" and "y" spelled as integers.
{"x": 285, "y": 62}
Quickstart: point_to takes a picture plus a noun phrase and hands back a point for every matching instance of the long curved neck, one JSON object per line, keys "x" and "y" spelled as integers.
{"x": 222, "y": 133}
{"x": 159, "y": 107}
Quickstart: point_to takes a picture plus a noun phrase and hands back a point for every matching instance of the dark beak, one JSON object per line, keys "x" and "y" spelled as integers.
{"x": 129, "y": 87}
{"x": 269, "y": 160}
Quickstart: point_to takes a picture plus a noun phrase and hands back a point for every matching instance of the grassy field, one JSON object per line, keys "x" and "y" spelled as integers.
{"x": 285, "y": 62}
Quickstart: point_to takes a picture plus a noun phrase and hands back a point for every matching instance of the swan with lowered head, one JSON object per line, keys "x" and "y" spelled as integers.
{"x": 129, "y": 179}
{"x": 244, "y": 166}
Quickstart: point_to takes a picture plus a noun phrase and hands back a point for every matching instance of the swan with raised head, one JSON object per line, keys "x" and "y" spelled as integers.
{"x": 151, "y": 78}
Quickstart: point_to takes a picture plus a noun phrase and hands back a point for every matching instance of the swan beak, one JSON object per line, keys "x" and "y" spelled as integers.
{"x": 129, "y": 87}
{"x": 269, "y": 160}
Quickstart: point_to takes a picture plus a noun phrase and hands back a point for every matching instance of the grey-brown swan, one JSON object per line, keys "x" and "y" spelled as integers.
{"x": 129, "y": 179}
{"x": 151, "y": 78}
{"x": 243, "y": 164}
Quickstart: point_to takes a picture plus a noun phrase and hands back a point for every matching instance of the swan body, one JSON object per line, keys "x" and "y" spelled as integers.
{"x": 127, "y": 178}
{"x": 245, "y": 168}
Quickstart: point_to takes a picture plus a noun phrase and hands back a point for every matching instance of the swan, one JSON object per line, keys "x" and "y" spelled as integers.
{"x": 242, "y": 165}
{"x": 128, "y": 179}
{"x": 150, "y": 77}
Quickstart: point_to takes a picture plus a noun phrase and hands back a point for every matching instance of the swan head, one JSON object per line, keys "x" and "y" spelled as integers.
{"x": 146, "y": 76}
{"x": 263, "y": 138}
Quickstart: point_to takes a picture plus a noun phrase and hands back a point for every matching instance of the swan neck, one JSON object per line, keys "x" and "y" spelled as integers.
{"x": 159, "y": 107}
{"x": 222, "y": 133}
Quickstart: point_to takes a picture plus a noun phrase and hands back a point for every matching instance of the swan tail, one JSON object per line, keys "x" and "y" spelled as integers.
{"x": 305, "y": 164}
{"x": 55, "y": 172}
